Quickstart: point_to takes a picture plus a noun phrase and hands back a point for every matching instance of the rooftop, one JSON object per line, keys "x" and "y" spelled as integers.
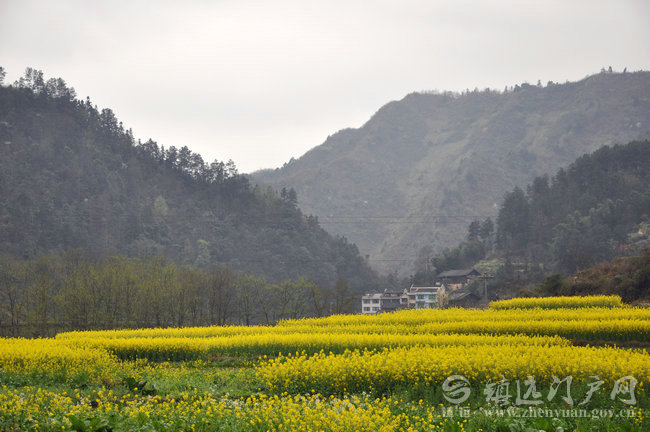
{"x": 459, "y": 273}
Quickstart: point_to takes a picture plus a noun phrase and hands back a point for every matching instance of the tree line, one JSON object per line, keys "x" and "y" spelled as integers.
{"x": 71, "y": 291}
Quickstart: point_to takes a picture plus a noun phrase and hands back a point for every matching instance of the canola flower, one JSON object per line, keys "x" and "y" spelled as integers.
{"x": 404, "y": 328}
{"x": 413, "y": 317}
{"x": 56, "y": 360}
{"x": 611, "y": 301}
{"x": 355, "y": 371}
{"x": 630, "y": 324}
{"x": 609, "y": 330}
{"x": 172, "y": 332}
{"x": 163, "y": 349}
{"x": 349, "y": 355}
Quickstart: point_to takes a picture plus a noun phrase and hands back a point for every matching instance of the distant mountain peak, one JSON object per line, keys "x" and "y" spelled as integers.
{"x": 450, "y": 157}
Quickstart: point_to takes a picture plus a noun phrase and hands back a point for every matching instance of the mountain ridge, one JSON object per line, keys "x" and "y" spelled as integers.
{"x": 420, "y": 169}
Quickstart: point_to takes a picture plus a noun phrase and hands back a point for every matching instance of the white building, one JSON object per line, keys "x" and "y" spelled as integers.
{"x": 426, "y": 297}
{"x": 371, "y": 303}
{"x": 415, "y": 298}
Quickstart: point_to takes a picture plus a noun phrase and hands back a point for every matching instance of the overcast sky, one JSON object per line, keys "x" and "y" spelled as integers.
{"x": 260, "y": 82}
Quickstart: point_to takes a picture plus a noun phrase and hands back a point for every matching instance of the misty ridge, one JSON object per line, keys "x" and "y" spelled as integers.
{"x": 423, "y": 168}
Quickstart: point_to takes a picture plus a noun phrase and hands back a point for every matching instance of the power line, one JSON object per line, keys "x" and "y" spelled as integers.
{"x": 424, "y": 215}
{"x": 459, "y": 222}
{"x": 392, "y": 260}
{"x": 401, "y": 220}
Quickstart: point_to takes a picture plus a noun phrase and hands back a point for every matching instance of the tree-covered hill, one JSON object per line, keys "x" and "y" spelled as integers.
{"x": 422, "y": 168}
{"x": 583, "y": 215}
{"x": 595, "y": 211}
{"x": 627, "y": 276}
{"x": 71, "y": 176}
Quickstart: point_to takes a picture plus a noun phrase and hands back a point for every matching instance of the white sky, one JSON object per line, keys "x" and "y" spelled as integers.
{"x": 260, "y": 82}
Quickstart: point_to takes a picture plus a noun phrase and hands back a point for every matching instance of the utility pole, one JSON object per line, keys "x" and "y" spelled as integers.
{"x": 485, "y": 278}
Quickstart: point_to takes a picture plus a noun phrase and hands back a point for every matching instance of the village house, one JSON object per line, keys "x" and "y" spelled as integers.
{"x": 393, "y": 300}
{"x": 451, "y": 289}
{"x": 463, "y": 297}
{"x": 429, "y": 297}
{"x": 370, "y": 303}
{"x": 455, "y": 279}
{"x": 415, "y": 297}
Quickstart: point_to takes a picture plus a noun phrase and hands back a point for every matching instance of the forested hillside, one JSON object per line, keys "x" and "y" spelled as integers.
{"x": 595, "y": 210}
{"x": 71, "y": 176}
{"x": 422, "y": 168}
{"x": 586, "y": 214}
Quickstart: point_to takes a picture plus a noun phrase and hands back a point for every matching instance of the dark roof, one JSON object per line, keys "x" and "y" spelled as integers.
{"x": 462, "y": 294}
{"x": 459, "y": 273}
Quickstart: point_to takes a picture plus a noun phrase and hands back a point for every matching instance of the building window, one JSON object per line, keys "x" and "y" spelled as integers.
{"x": 375, "y": 309}
{"x": 366, "y": 309}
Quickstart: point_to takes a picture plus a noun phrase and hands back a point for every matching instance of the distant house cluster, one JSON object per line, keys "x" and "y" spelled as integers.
{"x": 414, "y": 297}
{"x": 451, "y": 289}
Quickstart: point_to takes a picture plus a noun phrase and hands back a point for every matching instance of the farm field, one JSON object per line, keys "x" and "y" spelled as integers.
{"x": 552, "y": 364}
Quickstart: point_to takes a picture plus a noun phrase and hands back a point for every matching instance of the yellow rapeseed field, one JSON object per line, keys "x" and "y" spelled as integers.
{"x": 57, "y": 360}
{"x": 182, "y": 348}
{"x": 354, "y": 371}
{"x": 558, "y": 302}
{"x": 337, "y": 373}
